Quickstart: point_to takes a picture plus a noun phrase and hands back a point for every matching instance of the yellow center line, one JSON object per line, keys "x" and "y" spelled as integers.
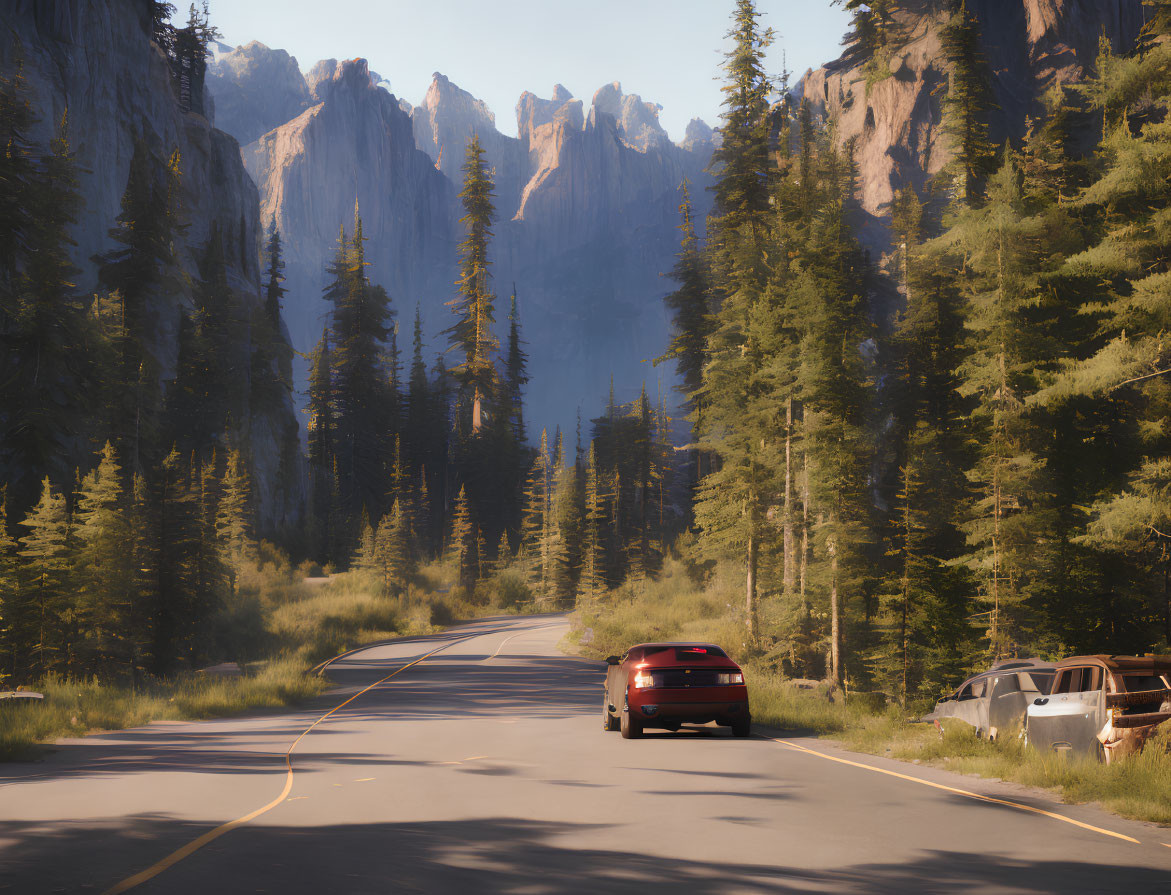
{"x": 962, "y": 792}
{"x": 508, "y": 640}
{"x": 211, "y": 835}
{"x": 363, "y": 779}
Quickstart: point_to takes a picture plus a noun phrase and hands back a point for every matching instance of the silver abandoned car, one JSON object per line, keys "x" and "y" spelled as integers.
{"x": 996, "y": 699}
{"x": 1106, "y": 706}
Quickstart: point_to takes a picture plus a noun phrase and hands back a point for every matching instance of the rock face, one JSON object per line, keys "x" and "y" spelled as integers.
{"x": 356, "y": 145}
{"x": 895, "y": 123}
{"x": 255, "y": 90}
{"x": 95, "y": 58}
{"x": 587, "y": 216}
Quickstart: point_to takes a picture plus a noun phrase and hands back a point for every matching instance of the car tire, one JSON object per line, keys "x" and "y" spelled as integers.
{"x": 742, "y": 728}
{"x": 631, "y": 729}
{"x": 609, "y": 722}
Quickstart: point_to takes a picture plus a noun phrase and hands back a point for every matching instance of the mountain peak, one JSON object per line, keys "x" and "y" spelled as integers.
{"x": 256, "y": 88}
{"x": 698, "y": 135}
{"x": 637, "y": 121}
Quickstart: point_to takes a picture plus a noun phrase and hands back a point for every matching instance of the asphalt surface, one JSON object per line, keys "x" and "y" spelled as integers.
{"x": 484, "y": 768}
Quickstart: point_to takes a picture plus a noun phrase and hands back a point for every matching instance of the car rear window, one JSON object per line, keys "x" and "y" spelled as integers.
{"x": 1137, "y": 683}
{"x": 692, "y": 653}
{"x": 1079, "y": 680}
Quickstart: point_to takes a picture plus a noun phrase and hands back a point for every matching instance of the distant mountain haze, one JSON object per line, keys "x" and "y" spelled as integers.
{"x": 586, "y": 200}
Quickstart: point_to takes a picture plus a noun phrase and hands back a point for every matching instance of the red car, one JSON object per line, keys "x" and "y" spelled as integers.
{"x": 666, "y": 685}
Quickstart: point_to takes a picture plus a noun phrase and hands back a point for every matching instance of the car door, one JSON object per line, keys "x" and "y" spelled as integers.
{"x": 1007, "y": 701}
{"x": 1070, "y": 717}
{"x": 969, "y": 705}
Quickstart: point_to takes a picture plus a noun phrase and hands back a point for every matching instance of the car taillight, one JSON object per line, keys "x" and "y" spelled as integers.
{"x": 643, "y": 680}
{"x": 736, "y": 677}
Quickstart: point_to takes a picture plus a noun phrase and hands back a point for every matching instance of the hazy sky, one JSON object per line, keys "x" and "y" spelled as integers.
{"x": 668, "y": 51}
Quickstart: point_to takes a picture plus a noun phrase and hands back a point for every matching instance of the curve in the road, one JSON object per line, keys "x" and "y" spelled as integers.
{"x": 195, "y": 845}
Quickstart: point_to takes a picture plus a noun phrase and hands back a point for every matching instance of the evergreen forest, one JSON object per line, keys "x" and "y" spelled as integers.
{"x": 910, "y": 466}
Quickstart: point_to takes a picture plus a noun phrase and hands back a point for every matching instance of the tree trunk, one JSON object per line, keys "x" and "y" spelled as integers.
{"x": 803, "y": 565}
{"x": 477, "y": 420}
{"x": 1166, "y": 602}
{"x": 835, "y": 618}
{"x": 790, "y": 574}
{"x": 750, "y": 588}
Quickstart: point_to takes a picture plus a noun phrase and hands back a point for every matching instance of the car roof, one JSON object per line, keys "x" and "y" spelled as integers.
{"x": 1121, "y": 663}
{"x": 676, "y": 643}
{"x": 1010, "y": 666}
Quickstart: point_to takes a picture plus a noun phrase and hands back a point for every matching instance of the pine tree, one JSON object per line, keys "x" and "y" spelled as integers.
{"x": 361, "y": 324}
{"x": 366, "y": 557}
{"x": 462, "y": 544}
{"x": 1003, "y": 259}
{"x": 189, "y": 54}
{"x": 10, "y": 592}
{"x": 234, "y": 515}
{"x": 966, "y": 105}
{"x": 394, "y": 553}
{"x": 47, "y": 586}
{"x": 836, "y": 398}
{"x": 104, "y": 572}
{"x": 873, "y": 28}
{"x": 272, "y": 355}
{"x": 564, "y": 533}
{"x": 182, "y": 541}
{"x": 142, "y": 598}
{"x": 741, "y": 162}
{"x": 274, "y": 288}
{"x": 732, "y": 500}
{"x": 17, "y": 173}
{"x": 927, "y": 598}
{"x": 516, "y": 374}
{"x": 418, "y": 443}
{"x": 212, "y": 576}
{"x": 593, "y": 574}
{"x": 320, "y": 435}
{"x": 692, "y": 317}
{"x": 503, "y": 554}
{"x": 45, "y": 347}
{"x": 536, "y": 530}
{"x": 142, "y": 268}
{"x": 472, "y": 333}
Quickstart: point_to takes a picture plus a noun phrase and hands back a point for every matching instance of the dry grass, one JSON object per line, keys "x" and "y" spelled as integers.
{"x": 73, "y": 708}
{"x": 277, "y": 628}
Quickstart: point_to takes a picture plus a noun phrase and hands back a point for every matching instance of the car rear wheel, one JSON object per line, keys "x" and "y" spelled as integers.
{"x": 742, "y": 728}
{"x": 609, "y": 722}
{"x": 631, "y": 729}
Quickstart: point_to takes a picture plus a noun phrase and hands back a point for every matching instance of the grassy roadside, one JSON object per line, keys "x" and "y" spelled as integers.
{"x": 673, "y": 608}
{"x": 278, "y": 628}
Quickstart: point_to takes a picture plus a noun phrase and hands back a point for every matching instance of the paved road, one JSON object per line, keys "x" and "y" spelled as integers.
{"x": 483, "y": 768}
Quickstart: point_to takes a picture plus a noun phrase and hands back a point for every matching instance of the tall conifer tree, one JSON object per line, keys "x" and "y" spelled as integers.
{"x": 472, "y": 334}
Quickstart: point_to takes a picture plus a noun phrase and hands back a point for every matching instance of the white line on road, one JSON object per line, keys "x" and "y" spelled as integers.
{"x": 962, "y": 792}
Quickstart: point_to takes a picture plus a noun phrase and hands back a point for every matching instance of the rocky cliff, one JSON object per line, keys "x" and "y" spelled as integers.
{"x": 356, "y": 145}
{"x": 587, "y": 207}
{"x": 95, "y": 59}
{"x": 255, "y": 90}
{"x": 894, "y": 121}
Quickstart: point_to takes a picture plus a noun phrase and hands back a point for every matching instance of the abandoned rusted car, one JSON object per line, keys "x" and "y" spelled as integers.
{"x": 996, "y": 699}
{"x": 1106, "y": 706}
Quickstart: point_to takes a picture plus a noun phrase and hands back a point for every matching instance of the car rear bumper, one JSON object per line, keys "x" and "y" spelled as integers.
{"x": 670, "y": 713}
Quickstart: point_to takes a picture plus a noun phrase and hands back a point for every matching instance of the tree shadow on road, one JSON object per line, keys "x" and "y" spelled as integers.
{"x": 496, "y": 855}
